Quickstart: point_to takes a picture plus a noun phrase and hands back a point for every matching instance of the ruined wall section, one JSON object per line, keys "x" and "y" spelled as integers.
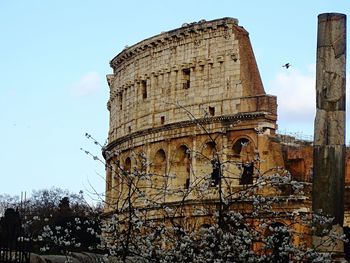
{"x": 179, "y": 98}
{"x": 298, "y": 158}
{"x": 207, "y": 67}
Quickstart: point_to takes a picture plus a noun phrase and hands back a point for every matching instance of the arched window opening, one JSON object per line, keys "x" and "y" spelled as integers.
{"x": 209, "y": 153}
{"x": 244, "y": 149}
{"x": 159, "y": 166}
{"x": 182, "y": 153}
{"x": 216, "y": 173}
{"x": 209, "y": 150}
{"x": 159, "y": 157}
{"x": 127, "y": 165}
{"x": 183, "y": 163}
{"x": 247, "y": 174}
{"x": 239, "y": 145}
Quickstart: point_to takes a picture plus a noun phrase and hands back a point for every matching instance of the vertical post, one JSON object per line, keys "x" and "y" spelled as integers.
{"x": 329, "y": 133}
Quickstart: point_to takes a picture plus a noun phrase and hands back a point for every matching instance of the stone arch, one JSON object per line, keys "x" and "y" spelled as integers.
{"x": 139, "y": 158}
{"x": 159, "y": 168}
{"x": 243, "y": 147}
{"x": 182, "y": 163}
{"x": 127, "y": 165}
{"x": 182, "y": 152}
{"x": 243, "y": 150}
{"x": 212, "y": 165}
{"x": 125, "y": 169}
{"x": 159, "y": 157}
{"x": 209, "y": 150}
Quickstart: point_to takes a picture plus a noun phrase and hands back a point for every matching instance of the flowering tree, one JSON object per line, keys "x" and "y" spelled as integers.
{"x": 8, "y": 201}
{"x": 59, "y": 222}
{"x": 264, "y": 233}
{"x": 267, "y": 219}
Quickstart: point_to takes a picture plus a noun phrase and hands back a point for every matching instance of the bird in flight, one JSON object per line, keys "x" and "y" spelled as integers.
{"x": 287, "y": 65}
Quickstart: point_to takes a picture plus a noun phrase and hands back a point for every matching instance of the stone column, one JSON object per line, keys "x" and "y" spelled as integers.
{"x": 329, "y": 137}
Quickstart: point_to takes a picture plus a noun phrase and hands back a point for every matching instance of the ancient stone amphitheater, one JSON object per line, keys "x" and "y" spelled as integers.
{"x": 183, "y": 99}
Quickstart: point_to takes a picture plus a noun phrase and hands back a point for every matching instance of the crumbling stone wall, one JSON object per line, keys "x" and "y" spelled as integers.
{"x": 176, "y": 90}
{"x": 298, "y": 158}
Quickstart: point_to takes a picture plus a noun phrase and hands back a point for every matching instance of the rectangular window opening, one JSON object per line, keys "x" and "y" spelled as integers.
{"x": 211, "y": 111}
{"x": 186, "y": 73}
{"x": 121, "y": 101}
{"x": 144, "y": 89}
{"x": 187, "y": 184}
{"x": 162, "y": 120}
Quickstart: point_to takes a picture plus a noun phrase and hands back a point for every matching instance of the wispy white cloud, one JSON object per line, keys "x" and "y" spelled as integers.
{"x": 86, "y": 85}
{"x": 295, "y": 91}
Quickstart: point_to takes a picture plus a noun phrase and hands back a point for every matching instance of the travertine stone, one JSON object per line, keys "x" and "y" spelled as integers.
{"x": 329, "y": 138}
{"x": 219, "y": 60}
{"x": 177, "y": 91}
{"x": 330, "y": 127}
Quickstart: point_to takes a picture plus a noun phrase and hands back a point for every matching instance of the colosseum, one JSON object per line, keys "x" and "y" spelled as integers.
{"x": 186, "y": 95}
{"x": 181, "y": 103}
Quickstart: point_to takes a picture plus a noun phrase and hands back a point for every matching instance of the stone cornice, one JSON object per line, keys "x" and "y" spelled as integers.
{"x": 170, "y": 36}
{"x": 188, "y": 123}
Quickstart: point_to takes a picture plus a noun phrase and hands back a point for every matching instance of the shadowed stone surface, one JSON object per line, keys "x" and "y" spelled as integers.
{"x": 329, "y": 139}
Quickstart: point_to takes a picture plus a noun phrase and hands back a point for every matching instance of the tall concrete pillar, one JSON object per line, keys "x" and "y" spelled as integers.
{"x": 329, "y": 137}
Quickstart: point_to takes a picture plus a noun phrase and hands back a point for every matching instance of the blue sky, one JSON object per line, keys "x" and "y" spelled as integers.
{"x": 54, "y": 56}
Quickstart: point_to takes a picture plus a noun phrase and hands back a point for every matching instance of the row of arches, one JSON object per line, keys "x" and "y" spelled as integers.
{"x": 207, "y": 163}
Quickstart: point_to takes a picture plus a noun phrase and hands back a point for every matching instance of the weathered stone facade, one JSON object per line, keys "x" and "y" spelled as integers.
{"x": 298, "y": 158}
{"x": 180, "y": 102}
{"x": 184, "y": 96}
